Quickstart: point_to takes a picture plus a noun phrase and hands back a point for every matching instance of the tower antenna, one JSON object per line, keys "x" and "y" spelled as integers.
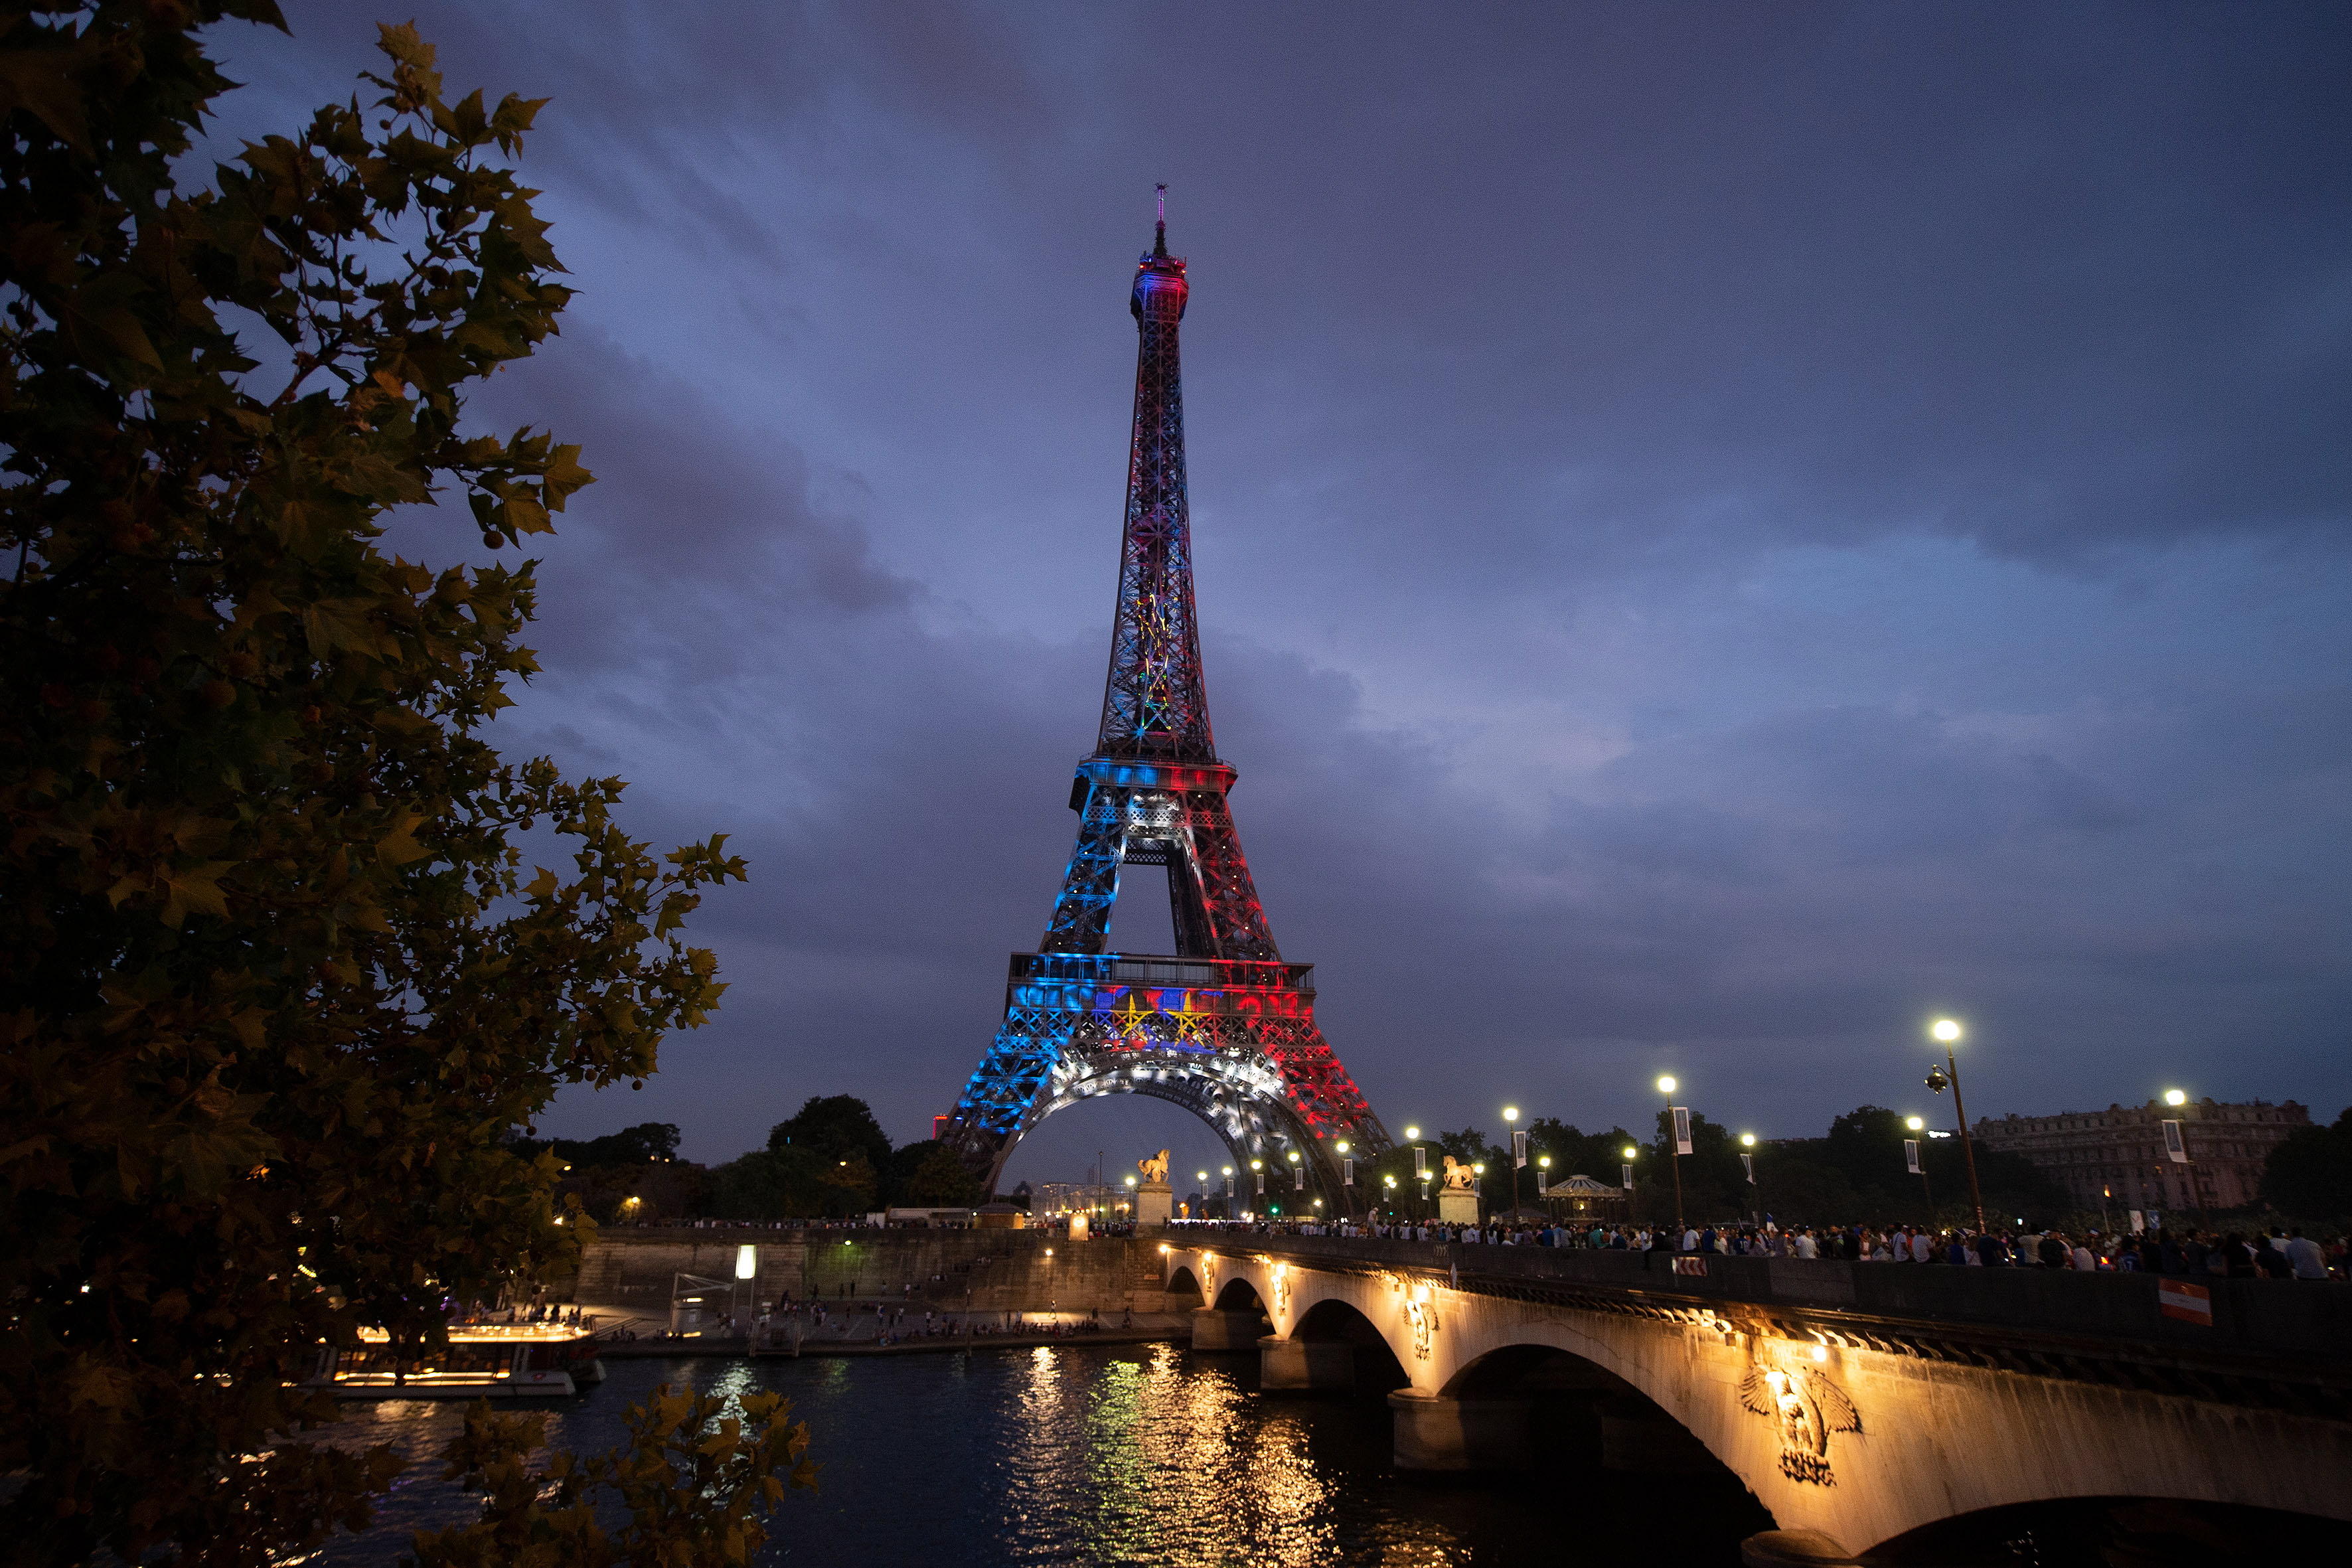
{"x": 1159, "y": 233}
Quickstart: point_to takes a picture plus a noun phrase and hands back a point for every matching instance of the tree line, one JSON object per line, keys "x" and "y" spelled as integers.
{"x": 829, "y": 1160}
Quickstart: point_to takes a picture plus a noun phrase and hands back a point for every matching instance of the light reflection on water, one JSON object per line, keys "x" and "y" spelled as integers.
{"x": 1111, "y": 1455}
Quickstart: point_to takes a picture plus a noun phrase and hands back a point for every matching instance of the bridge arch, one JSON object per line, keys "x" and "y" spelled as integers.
{"x": 1238, "y": 1295}
{"x": 1183, "y": 1287}
{"x": 2117, "y": 1528}
{"x": 1374, "y": 1366}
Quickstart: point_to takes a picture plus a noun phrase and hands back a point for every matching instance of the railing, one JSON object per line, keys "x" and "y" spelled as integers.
{"x": 1147, "y": 969}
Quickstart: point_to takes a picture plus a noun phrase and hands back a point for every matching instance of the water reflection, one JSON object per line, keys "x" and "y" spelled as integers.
{"x": 1136, "y": 1455}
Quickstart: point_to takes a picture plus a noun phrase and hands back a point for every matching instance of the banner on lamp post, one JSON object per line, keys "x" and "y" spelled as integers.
{"x": 2175, "y": 1147}
{"x": 1348, "y": 1171}
{"x": 1911, "y": 1155}
{"x": 1420, "y": 1162}
{"x": 1748, "y": 1163}
{"x": 1628, "y": 1172}
{"x": 1518, "y": 1150}
{"x": 1682, "y": 1128}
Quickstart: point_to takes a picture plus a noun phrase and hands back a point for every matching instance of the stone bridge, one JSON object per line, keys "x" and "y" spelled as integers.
{"x": 1859, "y": 1403}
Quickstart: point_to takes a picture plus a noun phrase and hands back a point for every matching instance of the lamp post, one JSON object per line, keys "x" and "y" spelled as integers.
{"x": 1259, "y": 1166}
{"x": 1229, "y": 1193}
{"x": 1543, "y": 1169}
{"x": 1747, "y": 1161}
{"x": 1519, "y": 1152}
{"x": 1946, "y": 1031}
{"x": 2178, "y": 1100}
{"x": 1419, "y": 1165}
{"x": 1675, "y": 1149}
{"x": 1920, "y": 1124}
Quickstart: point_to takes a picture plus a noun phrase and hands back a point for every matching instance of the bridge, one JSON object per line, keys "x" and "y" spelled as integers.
{"x": 1863, "y": 1405}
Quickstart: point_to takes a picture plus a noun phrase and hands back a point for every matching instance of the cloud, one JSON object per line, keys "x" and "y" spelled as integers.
{"x": 1716, "y": 539}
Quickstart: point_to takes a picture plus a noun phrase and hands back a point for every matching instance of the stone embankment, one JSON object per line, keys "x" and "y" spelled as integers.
{"x": 633, "y": 1271}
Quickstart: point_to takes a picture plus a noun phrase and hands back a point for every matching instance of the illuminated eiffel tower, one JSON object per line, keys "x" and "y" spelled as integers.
{"x": 1224, "y": 1027}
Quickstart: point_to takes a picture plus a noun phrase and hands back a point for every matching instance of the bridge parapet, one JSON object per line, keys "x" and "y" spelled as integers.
{"x": 2306, "y": 1321}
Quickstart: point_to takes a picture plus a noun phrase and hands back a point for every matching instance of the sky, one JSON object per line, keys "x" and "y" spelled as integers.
{"x": 1723, "y": 532}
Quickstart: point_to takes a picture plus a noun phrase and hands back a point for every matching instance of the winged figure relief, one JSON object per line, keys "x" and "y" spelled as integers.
{"x": 1805, "y": 1407}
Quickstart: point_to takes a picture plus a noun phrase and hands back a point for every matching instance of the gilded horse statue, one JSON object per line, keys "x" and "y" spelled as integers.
{"x": 1154, "y": 1169}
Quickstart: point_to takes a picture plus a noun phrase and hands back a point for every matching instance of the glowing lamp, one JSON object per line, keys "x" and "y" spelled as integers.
{"x": 1944, "y": 1030}
{"x": 1747, "y": 1140}
{"x": 1630, "y": 1151}
{"x": 1665, "y": 1086}
{"x": 1914, "y": 1122}
{"x": 1510, "y": 1114}
{"x": 2175, "y": 1097}
{"x": 1410, "y": 1133}
{"x": 747, "y": 1262}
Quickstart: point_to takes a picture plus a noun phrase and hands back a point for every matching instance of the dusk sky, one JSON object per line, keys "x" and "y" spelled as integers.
{"x": 1722, "y": 531}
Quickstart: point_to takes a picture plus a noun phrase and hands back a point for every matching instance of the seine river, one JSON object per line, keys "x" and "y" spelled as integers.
{"x": 1128, "y": 1454}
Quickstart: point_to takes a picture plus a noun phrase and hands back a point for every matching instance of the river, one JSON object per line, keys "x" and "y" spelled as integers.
{"x": 1100, "y": 1454}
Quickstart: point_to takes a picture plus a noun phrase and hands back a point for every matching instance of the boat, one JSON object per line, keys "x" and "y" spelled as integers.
{"x": 481, "y": 1361}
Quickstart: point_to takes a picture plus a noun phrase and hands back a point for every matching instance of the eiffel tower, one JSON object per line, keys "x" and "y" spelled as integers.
{"x": 1224, "y": 1027}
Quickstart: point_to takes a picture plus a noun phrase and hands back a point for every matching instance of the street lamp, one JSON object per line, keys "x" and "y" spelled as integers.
{"x": 1229, "y": 1191}
{"x": 1920, "y": 1124}
{"x": 1543, "y": 1169}
{"x": 1419, "y": 1165}
{"x": 2179, "y": 1100}
{"x": 1674, "y": 1147}
{"x": 1518, "y": 1151}
{"x": 1748, "y": 1162}
{"x": 1946, "y": 1032}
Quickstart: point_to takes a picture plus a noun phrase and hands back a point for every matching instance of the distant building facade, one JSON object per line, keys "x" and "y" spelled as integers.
{"x": 2117, "y": 1156}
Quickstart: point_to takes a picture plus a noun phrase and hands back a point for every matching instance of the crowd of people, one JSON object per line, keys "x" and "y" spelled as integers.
{"x": 2277, "y": 1252}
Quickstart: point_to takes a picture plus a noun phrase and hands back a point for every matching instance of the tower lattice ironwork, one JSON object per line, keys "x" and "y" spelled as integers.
{"x": 1224, "y": 1027}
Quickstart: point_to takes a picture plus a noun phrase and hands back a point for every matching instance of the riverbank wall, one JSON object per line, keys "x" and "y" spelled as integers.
{"x": 636, "y": 1269}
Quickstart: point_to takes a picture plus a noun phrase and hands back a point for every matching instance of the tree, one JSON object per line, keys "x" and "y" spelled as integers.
{"x": 2308, "y": 1174}
{"x": 275, "y": 982}
{"x": 645, "y": 1144}
{"x": 837, "y": 1126}
{"x": 928, "y": 1174}
{"x": 694, "y": 1481}
{"x": 770, "y": 1183}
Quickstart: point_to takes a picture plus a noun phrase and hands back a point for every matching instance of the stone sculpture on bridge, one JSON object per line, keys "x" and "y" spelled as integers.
{"x": 1806, "y": 1407}
{"x": 1458, "y": 1176}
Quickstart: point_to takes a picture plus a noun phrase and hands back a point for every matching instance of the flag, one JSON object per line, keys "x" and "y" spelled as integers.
{"x": 2189, "y": 1303}
{"x": 2175, "y": 1147}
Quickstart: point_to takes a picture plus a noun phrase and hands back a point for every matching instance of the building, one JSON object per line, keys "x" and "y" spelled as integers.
{"x": 2116, "y": 1158}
